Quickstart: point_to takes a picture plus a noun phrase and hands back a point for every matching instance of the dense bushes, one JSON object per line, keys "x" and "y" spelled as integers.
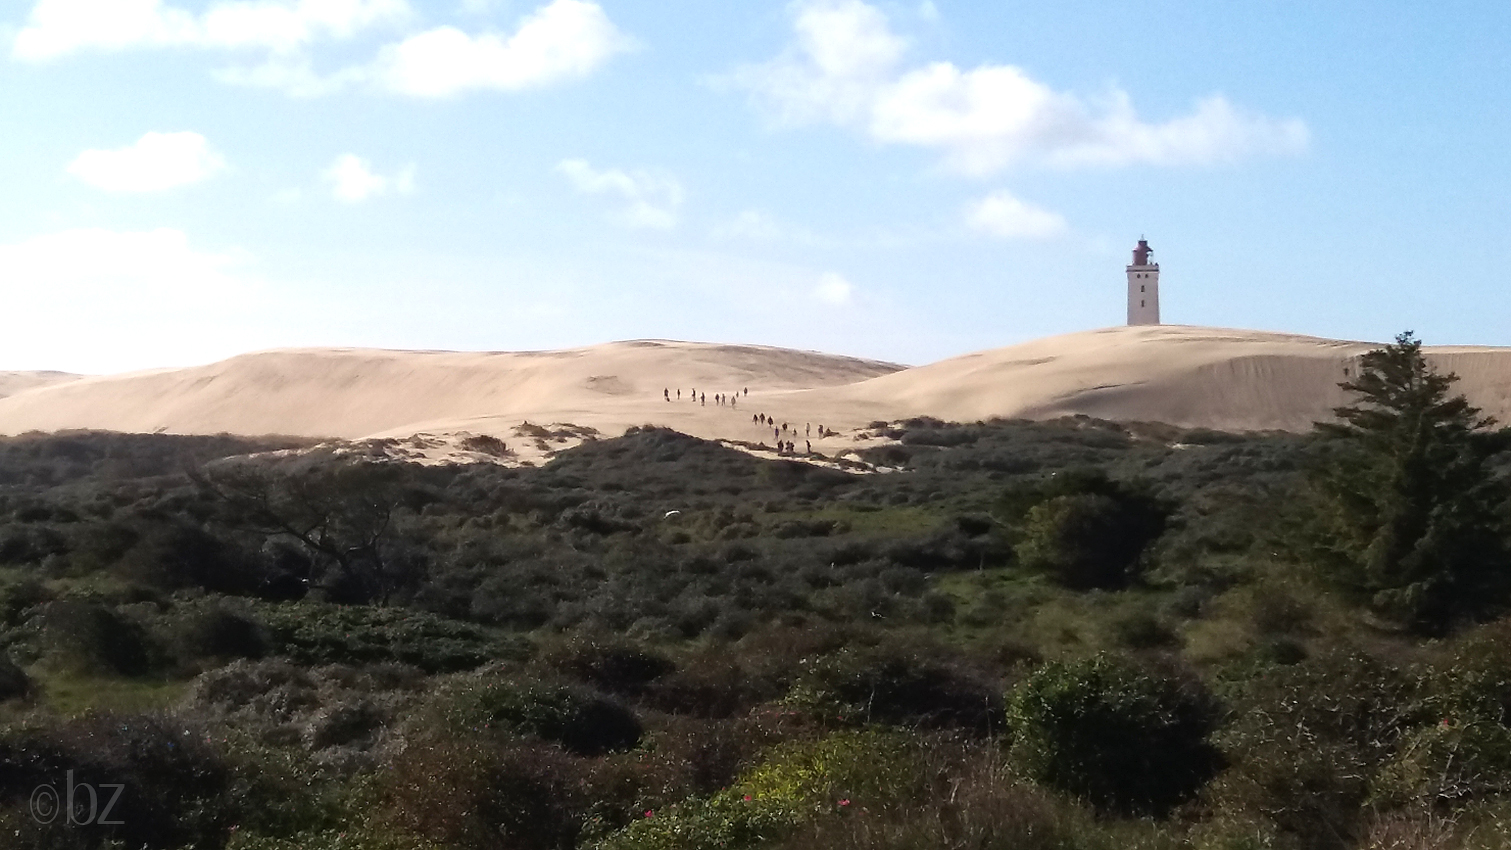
{"x": 577, "y": 719}
{"x": 793, "y": 785}
{"x": 1084, "y": 529}
{"x": 1307, "y": 741}
{"x": 1124, "y": 738}
{"x": 89, "y": 637}
{"x": 14, "y": 683}
{"x": 327, "y": 634}
{"x": 893, "y": 686}
{"x": 479, "y": 795}
{"x": 175, "y": 790}
{"x": 794, "y": 658}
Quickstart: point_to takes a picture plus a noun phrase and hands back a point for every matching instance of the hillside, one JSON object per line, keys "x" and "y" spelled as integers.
{"x": 355, "y": 393}
{"x": 1233, "y": 380}
{"x": 15, "y": 382}
{"x": 1189, "y": 376}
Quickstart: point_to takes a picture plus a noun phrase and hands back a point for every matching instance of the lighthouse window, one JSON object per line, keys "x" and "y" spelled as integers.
{"x": 1141, "y": 289}
{"x": 1141, "y": 303}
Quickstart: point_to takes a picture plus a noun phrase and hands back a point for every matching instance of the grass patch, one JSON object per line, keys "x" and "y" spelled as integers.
{"x": 885, "y": 522}
{"x": 70, "y": 695}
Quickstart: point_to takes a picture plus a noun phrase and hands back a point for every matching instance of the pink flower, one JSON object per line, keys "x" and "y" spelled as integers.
{"x": 844, "y": 802}
{"x": 649, "y": 812}
{"x": 747, "y": 798}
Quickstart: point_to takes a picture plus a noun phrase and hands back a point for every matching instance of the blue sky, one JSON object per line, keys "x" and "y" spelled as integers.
{"x": 181, "y": 181}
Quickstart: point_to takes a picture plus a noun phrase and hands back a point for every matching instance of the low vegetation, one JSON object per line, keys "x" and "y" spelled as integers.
{"x": 1070, "y": 634}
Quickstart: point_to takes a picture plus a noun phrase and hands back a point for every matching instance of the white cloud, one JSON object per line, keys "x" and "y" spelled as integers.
{"x": 754, "y": 225}
{"x": 1001, "y": 214}
{"x": 56, "y": 28}
{"x": 844, "y": 54}
{"x": 94, "y": 262}
{"x": 352, "y": 180}
{"x": 846, "y": 67}
{"x": 156, "y": 162}
{"x": 79, "y": 298}
{"x": 653, "y": 199}
{"x": 834, "y": 290}
{"x": 563, "y": 40}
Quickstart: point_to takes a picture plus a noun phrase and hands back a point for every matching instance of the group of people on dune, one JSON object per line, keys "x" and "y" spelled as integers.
{"x": 784, "y": 446}
{"x": 778, "y": 431}
{"x": 720, "y": 399}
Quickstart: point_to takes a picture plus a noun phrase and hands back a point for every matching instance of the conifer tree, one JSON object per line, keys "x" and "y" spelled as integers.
{"x": 1410, "y": 514}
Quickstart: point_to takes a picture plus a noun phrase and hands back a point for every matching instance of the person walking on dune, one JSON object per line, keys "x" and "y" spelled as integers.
{"x": 666, "y": 394}
{"x": 703, "y": 399}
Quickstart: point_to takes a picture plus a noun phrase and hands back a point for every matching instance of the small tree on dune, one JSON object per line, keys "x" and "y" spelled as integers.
{"x": 1409, "y": 514}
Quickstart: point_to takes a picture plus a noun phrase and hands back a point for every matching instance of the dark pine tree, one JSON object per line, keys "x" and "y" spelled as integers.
{"x": 1410, "y": 514}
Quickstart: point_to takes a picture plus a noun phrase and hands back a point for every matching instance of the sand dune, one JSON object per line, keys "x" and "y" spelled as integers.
{"x": 1188, "y": 376}
{"x": 354, "y": 393}
{"x": 15, "y": 382}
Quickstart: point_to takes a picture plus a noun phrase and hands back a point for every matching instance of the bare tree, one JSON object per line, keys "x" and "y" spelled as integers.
{"x": 338, "y": 511}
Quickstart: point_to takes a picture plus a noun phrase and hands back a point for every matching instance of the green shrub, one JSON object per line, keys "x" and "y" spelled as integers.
{"x": 358, "y": 838}
{"x": 91, "y": 638}
{"x": 1306, "y": 741}
{"x": 1083, "y": 529}
{"x": 315, "y": 633}
{"x": 482, "y": 795}
{"x": 895, "y": 686}
{"x": 219, "y": 633}
{"x": 985, "y": 809}
{"x": 1143, "y": 630}
{"x": 14, "y": 683}
{"x": 18, "y": 597}
{"x": 1124, "y": 738}
{"x": 1475, "y": 682}
{"x": 1447, "y": 764}
{"x": 577, "y": 719}
{"x": 796, "y": 783}
{"x": 176, "y": 790}
{"x": 1237, "y": 833}
{"x": 612, "y": 664}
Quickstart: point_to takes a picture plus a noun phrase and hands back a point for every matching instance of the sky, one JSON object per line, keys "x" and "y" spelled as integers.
{"x": 182, "y": 181}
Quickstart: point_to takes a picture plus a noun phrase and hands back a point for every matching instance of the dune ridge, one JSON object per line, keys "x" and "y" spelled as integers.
{"x": 1187, "y": 376}
{"x": 16, "y": 382}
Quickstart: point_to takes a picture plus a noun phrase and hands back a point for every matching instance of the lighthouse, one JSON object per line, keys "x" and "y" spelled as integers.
{"x": 1143, "y": 287}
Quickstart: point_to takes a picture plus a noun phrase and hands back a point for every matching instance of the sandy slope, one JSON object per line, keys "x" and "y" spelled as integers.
{"x": 352, "y": 393}
{"x": 15, "y": 382}
{"x": 1191, "y": 376}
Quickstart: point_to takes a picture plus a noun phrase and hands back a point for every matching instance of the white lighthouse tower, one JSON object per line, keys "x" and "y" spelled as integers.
{"x": 1143, "y": 287}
